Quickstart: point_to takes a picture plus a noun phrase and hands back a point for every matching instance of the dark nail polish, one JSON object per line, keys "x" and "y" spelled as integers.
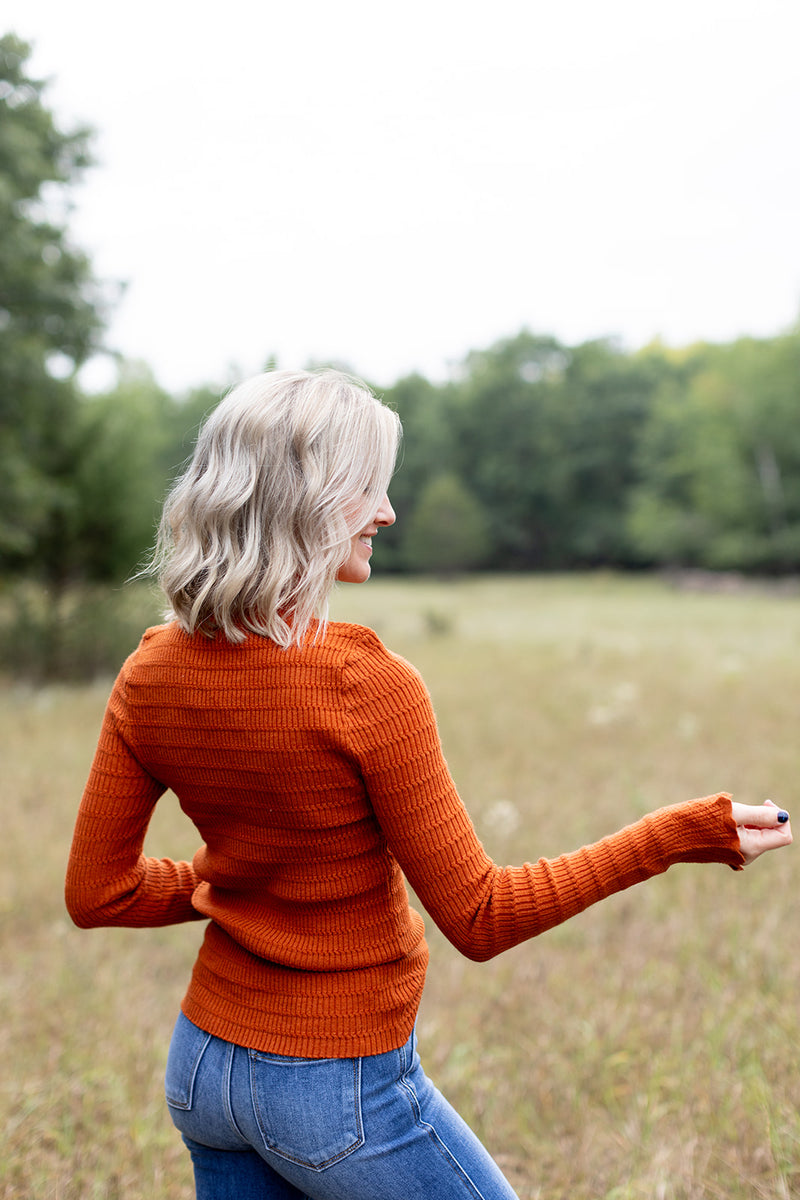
{"x": 783, "y": 817}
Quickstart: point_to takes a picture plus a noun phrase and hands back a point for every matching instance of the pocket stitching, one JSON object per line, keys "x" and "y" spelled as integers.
{"x": 186, "y": 1105}
{"x": 255, "y": 1056}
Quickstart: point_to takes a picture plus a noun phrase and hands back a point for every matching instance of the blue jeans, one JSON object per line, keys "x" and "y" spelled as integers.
{"x": 266, "y": 1127}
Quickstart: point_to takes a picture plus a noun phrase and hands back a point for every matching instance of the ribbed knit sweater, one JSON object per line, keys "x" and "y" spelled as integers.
{"x": 316, "y": 780}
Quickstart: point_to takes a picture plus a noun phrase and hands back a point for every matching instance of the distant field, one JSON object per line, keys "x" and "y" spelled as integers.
{"x": 648, "y": 1049}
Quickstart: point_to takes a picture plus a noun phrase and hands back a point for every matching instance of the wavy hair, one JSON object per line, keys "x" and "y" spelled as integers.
{"x": 287, "y": 469}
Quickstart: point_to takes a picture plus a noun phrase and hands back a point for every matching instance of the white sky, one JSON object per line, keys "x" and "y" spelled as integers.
{"x": 390, "y": 186}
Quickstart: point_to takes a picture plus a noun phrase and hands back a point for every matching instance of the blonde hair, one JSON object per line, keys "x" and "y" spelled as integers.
{"x": 286, "y": 471}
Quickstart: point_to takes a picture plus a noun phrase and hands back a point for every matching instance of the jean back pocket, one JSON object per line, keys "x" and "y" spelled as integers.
{"x": 308, "y": 1110}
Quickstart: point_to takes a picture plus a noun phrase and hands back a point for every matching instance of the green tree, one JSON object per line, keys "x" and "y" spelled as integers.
{"x": 598, "y": 414}
{"x": 685, "y": 452}
{"x": 126, "y": 442}
{"x": 546, "y": 434}
{"x": 425, "y": 452}
{"x": 764, "y": 378}
{"x": 50, "y": 320}
{"x": 719, "y": 460}
{"x": 132, "y": 442}
{"x": 506, "y": 443}
{"x": 447, "y": 530}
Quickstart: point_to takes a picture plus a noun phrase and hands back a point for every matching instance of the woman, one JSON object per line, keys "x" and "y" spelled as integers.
{"x": 308, "y": 758}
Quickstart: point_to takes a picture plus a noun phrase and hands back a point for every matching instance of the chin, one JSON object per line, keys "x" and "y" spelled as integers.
{"x": 348, "y": 576}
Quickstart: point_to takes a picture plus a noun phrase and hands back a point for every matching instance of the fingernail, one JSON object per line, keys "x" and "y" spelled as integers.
{"x": 783, "y": 817}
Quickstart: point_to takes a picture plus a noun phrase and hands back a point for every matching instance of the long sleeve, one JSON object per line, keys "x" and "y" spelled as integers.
{"x": 317, "y": 784}
{"x": 482, "y": 908}
{"x": 109, "y": 879}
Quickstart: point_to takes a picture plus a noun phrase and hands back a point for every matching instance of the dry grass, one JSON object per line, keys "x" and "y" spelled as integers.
{"x": 649, "y": 1048}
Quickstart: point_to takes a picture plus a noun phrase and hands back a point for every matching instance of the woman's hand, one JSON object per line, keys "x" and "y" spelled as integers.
{"x": 761, "y": 827}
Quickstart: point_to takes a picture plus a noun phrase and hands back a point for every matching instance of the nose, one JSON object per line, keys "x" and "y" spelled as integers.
{"x": 385, "y": 514}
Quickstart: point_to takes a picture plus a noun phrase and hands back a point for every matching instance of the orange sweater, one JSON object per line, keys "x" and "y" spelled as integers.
{"x": 315, "y": 778}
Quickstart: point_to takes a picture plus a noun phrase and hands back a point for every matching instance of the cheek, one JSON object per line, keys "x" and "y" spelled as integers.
{"x": 356, "y": 568}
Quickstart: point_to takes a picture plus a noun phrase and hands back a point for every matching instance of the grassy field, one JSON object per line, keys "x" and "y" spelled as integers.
{"x": 649, "y": 1048}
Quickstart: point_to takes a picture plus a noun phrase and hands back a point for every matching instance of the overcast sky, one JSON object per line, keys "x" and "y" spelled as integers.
{"x": 391, "y": 186}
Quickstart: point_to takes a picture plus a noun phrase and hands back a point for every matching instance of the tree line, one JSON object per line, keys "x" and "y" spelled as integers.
{"x": 533, "y": 455}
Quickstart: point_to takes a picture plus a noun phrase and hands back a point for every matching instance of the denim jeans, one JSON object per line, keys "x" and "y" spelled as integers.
{"x": 267, "y": 1127}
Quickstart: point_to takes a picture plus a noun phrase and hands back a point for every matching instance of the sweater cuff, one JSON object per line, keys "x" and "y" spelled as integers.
{"x": 700, "y": 831}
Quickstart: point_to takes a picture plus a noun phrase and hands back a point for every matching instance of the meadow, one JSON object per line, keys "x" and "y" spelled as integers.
{"x": 650, "y": 1048}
